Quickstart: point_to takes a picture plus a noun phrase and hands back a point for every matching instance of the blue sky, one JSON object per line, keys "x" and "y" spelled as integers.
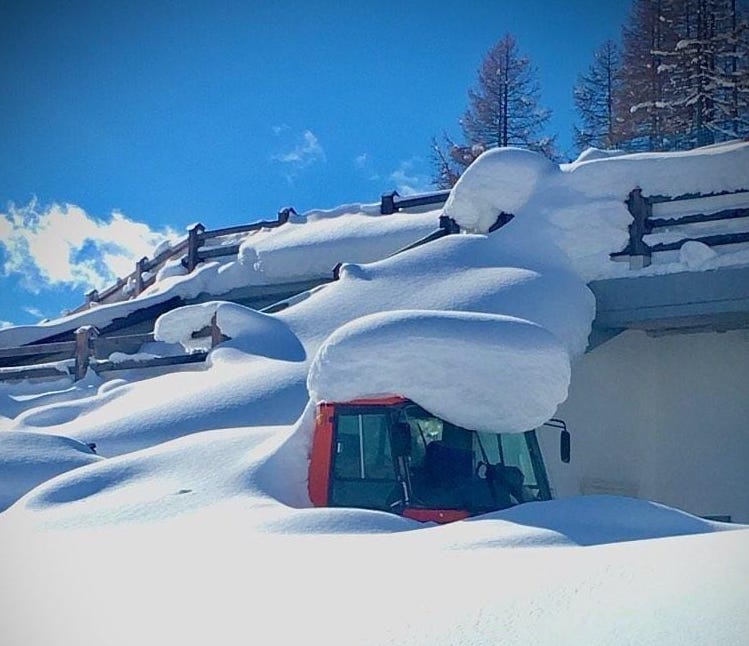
{"x": 145, "y": 117}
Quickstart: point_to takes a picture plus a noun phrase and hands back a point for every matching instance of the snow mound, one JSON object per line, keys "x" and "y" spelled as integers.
{"x": 28, "y": 459}
{"x": 501, "y": 179}
{"x": 474, "y": 273}
{"x": 481, "y": 371}
{"x": 694, "y": 254}
{"x": 17, "y": 397}
{"x": 156, "y": 483}
{"x": 583, "y": 521}
{"x": 703, "y": 170}
{"x": 252, "y": 332}
{"x": 312, "y": 249}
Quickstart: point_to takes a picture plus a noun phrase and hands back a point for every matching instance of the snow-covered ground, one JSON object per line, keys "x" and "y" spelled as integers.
{"x": 193, "y": 525}
{"x": 192, "y": 542}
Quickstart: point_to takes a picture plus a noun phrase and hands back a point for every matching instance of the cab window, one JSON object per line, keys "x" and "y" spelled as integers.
{"x": 363, "y": 474}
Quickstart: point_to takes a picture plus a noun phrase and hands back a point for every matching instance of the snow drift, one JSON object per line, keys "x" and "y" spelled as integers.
{"x": 28, "y": 459}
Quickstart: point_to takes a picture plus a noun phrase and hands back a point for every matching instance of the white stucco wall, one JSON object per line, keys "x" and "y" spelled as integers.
{"x": 663, "y": 418}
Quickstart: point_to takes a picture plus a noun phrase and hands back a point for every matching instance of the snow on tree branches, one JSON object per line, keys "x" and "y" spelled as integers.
{"x": 685, "y": 75}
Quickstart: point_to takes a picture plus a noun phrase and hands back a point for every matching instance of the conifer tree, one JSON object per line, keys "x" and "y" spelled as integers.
{"x": 594, "y": 96}
{"x": 642, "y": 108}
{"x": 503, "y": 110}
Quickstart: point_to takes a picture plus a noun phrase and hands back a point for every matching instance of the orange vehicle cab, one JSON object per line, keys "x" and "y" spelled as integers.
{"x": 392, "y": 455}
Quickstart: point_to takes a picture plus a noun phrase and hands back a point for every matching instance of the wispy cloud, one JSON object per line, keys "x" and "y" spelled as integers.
{"x": 305, "y": 151}
{"x": 63, "y": 245}
{"x": 5, "y": 324}
{"x": 34, "y": 311}
{"x": 408, "y": 179}
{"x": 363, "y": 163}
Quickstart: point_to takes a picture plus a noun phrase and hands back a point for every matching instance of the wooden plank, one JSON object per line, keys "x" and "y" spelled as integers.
{"x": 658, "y": 199}
{"x": 104, "y": 346}
{"x": 126, "y": 338}
{"x": 712, "y": 241}
{"x": 13, "y": 374}
{"x": 729, "y": 214}
{"x": 421, "y": 200}
{"x": 40, "y": 348}
{"x": 156, "y": 362}
{"x": 392, "y": 202}
{"x": 217, "y": 252}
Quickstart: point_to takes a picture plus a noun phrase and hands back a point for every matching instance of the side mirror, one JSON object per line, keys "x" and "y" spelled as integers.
{"x": 400, "y": 440}
{"x": 564, "y": 446}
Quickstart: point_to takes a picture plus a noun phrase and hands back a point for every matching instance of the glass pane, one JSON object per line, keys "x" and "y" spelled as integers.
{"x": 442, "y": 464}
{"x": 378, "y": 459}
{"x": 516, "y": 454}
{"x": 347, "y": 458}
{"x": 363, "y": 473}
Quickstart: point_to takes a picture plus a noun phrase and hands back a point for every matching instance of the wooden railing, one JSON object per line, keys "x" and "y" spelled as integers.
{"x": 392, "y": 202}
{"x": 58, "y": 357}
{"x": 192, "y": 249}
{"x": 639, "y": 253}
{"x": 74, "y": 358}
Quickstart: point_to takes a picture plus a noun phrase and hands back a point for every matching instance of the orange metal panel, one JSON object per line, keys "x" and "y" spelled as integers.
{"x": 322, "y": 450}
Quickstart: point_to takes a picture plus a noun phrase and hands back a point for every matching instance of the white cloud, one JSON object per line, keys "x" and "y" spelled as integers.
{"x": 63, "y": 245}
{"x": 408, "y": 180}
{"x": 4, "y": 324}
{"x": 34, "y": 311}
{"x": 305, "y": 152}
{"x": 363, "y": 163}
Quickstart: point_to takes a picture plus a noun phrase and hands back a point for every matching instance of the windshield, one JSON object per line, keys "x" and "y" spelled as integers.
{"x": 453, "y": 468}
{"x": 442, "y": 467}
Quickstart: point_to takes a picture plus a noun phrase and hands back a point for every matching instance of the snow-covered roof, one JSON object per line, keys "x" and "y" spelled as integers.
{"x": 578, "y": 210}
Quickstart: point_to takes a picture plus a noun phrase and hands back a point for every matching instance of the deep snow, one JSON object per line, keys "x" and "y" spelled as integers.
{"x": 187, "y": 543}
{"x": 196, "y": 526}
